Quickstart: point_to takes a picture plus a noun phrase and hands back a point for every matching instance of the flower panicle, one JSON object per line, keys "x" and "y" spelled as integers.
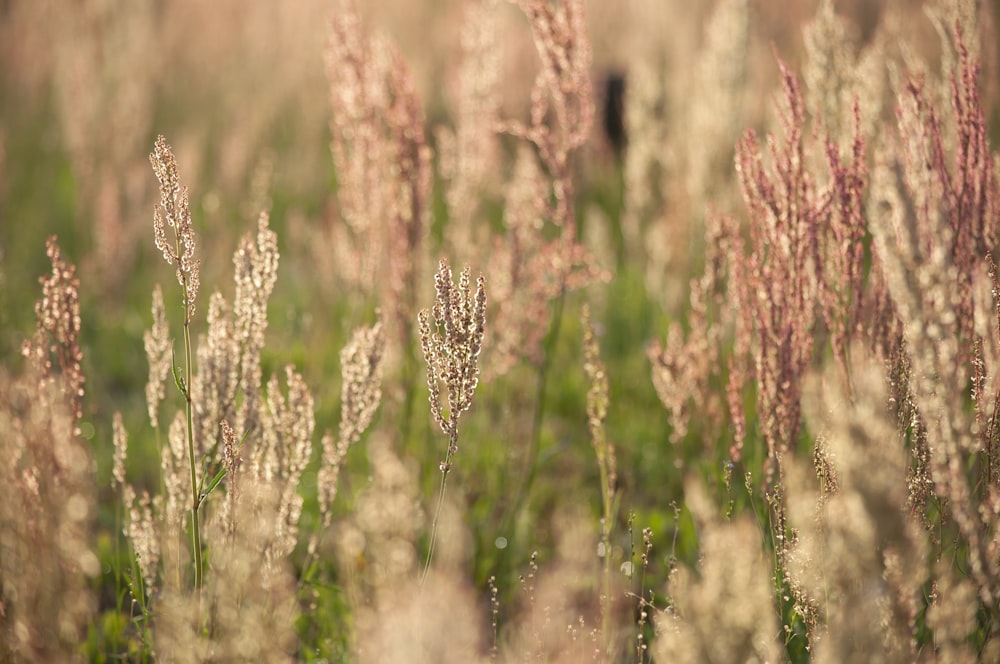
{"x": 451, "y": 337}
{"x": 174, "y": 211}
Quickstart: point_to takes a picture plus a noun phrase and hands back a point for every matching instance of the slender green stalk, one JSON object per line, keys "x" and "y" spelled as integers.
{"x": 174, "y": 211}
{"x": 597, "y": 408}
{"x": 437, "y": 515}
{"x": 445, "y": 467}
{"x": 607, "y": 523}
{"x": 189, "y": 416}
{"x": 541, "y": 386}
{"x": 140, "y": 597}
{"x": 451, "y": 346}
{"x": 119, "y": 517}
{"x": 538, "y": 418}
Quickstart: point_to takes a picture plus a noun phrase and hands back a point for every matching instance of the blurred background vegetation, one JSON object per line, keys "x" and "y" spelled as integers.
{"x": 240, "y": 92}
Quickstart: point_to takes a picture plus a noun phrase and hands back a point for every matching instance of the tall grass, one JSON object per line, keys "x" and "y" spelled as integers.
{"x": 735, "y": 379}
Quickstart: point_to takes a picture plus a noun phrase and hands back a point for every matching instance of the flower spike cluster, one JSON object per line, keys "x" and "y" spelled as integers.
{"x": 451, "y": 343}
{"x": 174, "y": 211}
{"x": 54, "y": 350}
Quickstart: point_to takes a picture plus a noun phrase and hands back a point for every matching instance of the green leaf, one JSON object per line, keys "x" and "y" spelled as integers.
{"x": 212, "y": 486}
{"x": 177, "y": 377}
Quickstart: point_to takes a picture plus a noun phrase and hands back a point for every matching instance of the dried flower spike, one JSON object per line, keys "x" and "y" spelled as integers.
{"x": 174, "y": 211}
{"x": 597, "y": 404}
{"x": 451, "y": 343}
{"x": 156, "y": 341}
{"x": 360, "y": 395}
{"x": 54, "y": 349}
{"x": 120, "y": 438}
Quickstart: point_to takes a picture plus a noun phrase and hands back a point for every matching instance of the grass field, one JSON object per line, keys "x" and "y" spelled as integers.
{"x": 469, "y": 330}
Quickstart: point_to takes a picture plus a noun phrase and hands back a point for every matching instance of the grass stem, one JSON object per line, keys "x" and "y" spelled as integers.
{"x": 189, "y": 415}
{"x": 445, "y": 468}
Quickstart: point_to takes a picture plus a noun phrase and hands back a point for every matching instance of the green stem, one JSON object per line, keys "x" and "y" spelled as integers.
{"x": 445, "y": 468}
{"x": 535, "y": 442}
{"x": 530, "y": 471}
{"x": 607, "y": 523}
{"x": 606, "y": 600}
{"x": 189, "y": 413}
{"x": 119, "y": 518}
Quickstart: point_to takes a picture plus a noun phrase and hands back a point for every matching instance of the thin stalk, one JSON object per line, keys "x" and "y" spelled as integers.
{"x": 562, "y": 186}
{"x": 541, "y": 386}
{"x": 606, "y": 524}
{"x": 534, "y": 442}
{"x": 445, "y": 467}
{"x": 189, "y": 414}
{"x": 606, "y": 601}
{"x": 132, "y": 581}
{"x": 119, "y": 518}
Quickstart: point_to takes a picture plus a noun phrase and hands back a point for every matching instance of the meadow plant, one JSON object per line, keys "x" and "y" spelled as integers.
{"x": 103, "y": 108}
{"x": 174, "y": 211}
{"x": 451, "y": 339}
{"x": 280, "y": 456}
{"x": 560, "y": 605}
{"x": 962, "y": 186}
{"x": 858, "y": 550}
{"x": 48, "y": 497}
{"x": 380, "y": 544}
{"x": 927, "y": 259}
{"x": 561, "y": 116}
{"x": 597, "y": 413}
{"x": 807, "y": 277}
{"x": 49, "y": 508}
{"x": 469, "y": 154}
{"x": 803, "y": 263}
{"x": 646, "y": 161}
{"x": 235, "y": 434}
{"x": 540, "y": 258}
{"x": 54, "y": 350}
{"x": 845, "y": 81}
{"x": 383, "y": 166}
{"x": 561, "y": 88}
{"x": 248, "y": 601}
{"x": 685, "y": 366}
{"x": 360, "y": 395}
{"x": 933, "y": 229}
{"x": 725, "y": 613}
{"x": 156, "y": 341}
{"x": 229, "y": 360}
{"x": 677, "y": 170}
{"x": 520, "y": 262}
{"x": 438, "y": 622}
{"x": 719, "y": 82}
{"x": 537, "y": 271}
